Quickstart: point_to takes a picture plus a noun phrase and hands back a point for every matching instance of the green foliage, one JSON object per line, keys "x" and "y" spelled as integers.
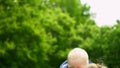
{"x": 112, "y": 49}
{"x": 103, "y": 47}
{"x": 22, "y": 45}
{"x": 40, "y": 33}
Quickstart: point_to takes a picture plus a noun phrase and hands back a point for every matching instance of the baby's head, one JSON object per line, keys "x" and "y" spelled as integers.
{"x": 77, "y": 58}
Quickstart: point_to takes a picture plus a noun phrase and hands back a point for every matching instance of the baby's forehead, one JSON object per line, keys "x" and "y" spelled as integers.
{"x": 76, "y": 66}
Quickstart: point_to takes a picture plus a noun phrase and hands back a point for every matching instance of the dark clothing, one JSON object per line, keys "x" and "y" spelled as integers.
{"x": 65, "y": 64}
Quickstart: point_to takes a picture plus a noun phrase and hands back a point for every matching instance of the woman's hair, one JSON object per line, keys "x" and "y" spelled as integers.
{"x": 93, "y": 65}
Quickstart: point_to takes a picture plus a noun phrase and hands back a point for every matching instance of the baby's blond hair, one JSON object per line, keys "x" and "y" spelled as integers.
{"x": 78, "y": 54}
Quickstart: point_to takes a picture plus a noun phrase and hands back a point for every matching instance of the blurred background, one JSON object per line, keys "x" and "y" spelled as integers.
{"x": 40, "y": 33}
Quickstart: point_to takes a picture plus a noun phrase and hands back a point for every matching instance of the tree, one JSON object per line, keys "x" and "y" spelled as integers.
{"x": 67, "y": 25}
{"x": 38, "y": 33}
{"x": 24, "y": 42}
{"x": 112, "y": 49}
